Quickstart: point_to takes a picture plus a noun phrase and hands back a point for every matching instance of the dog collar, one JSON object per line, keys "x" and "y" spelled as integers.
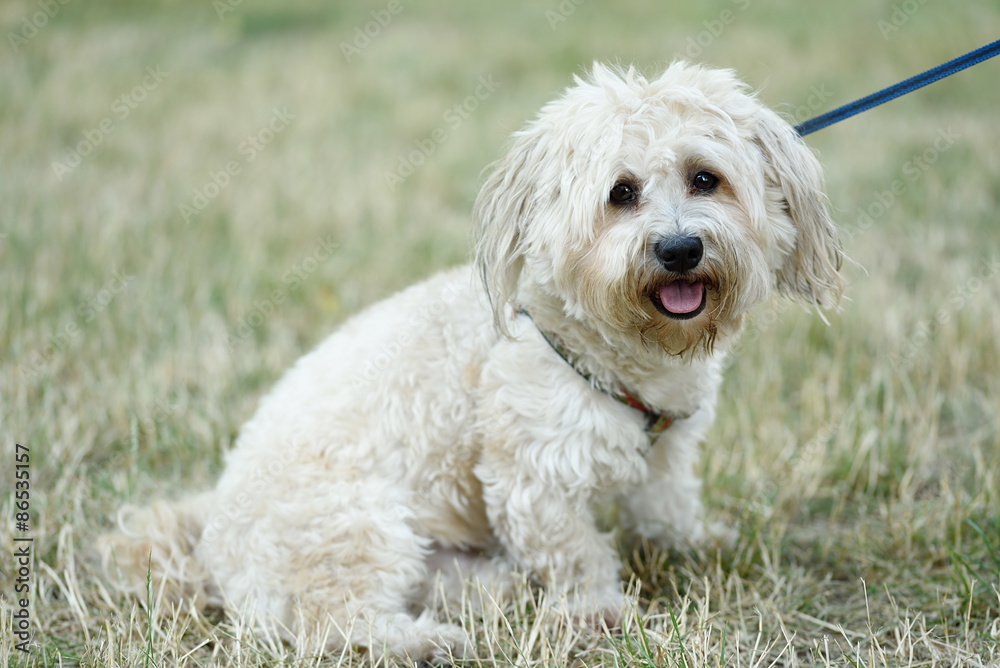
{"x": 656, "y": 422}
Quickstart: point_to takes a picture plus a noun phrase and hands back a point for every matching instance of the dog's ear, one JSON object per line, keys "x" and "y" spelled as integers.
{"x": 506, "y": 203}
{"x": 810, "y": 273}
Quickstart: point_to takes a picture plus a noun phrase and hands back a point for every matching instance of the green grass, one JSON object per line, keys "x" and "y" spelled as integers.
{"x": 859, "y": 461}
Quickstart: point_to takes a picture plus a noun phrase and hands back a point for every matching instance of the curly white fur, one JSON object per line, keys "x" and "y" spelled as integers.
{"x": 438, "y": 427}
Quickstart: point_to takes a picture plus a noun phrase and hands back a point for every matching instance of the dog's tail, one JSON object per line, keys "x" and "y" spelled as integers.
{"x": 156, "y": 547}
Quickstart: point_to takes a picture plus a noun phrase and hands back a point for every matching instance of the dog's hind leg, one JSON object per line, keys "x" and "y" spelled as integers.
{"x": 333, "y": 563}
{"x": 361, "y": 589}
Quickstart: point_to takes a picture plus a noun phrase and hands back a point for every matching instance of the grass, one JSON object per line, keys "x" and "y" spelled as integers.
{"x": 859, "y": 461}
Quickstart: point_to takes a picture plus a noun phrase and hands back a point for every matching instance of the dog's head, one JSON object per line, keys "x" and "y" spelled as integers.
{"x": 662, "y": 208}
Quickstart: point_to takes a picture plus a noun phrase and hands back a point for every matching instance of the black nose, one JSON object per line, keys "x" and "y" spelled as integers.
{"x": 679, "y": 253}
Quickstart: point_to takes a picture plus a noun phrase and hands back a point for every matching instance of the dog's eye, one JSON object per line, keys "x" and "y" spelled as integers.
{"x": 623, "y": 193}
{"x": 704, "y": 182}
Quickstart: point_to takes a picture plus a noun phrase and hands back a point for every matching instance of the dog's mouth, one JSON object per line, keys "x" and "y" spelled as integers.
{"x": 680, "y": 300}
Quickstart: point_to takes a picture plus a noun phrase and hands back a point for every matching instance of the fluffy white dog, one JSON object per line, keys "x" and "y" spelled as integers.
{"x": 619, "y": 244}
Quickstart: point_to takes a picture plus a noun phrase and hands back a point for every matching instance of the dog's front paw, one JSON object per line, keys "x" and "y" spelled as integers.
{"x": 451, "y": 643}
{"x": 418, "y": 638}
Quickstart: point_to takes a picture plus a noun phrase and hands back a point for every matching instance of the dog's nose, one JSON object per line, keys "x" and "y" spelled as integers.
{"x": 679, "y": 253}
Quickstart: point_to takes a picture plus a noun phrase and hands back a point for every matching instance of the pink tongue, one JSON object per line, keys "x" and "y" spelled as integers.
{"x": 680, "y": 297}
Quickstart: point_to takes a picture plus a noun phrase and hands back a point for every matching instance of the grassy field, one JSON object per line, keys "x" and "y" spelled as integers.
{"x": 172, "y": 174}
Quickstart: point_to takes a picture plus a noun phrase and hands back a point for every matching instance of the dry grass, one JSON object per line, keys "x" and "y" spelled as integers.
{"x": 860, "y": 461}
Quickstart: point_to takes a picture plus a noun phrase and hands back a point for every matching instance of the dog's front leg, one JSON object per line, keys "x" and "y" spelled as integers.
{"x": 547, "y": 448}
{"x": 548, "y": 528}
{"x": 667, "y": 508}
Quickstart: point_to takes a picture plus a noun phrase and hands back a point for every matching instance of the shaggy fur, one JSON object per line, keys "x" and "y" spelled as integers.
{"x": 438, "y": 433}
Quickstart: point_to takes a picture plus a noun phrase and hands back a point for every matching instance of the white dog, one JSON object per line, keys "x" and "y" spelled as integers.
{"x": 620, "y": 242}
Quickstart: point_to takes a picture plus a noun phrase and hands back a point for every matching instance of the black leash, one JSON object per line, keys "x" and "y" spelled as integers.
{"x": 902, "y": 88}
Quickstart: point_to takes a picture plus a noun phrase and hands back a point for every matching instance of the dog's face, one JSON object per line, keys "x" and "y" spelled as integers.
{"x": 660, "y": 209}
